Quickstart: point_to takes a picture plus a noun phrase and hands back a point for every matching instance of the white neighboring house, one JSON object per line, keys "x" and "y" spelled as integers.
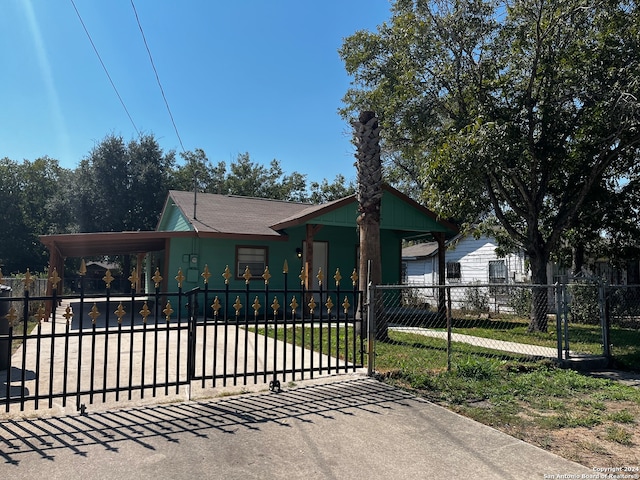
{"x": 469, "y": 260}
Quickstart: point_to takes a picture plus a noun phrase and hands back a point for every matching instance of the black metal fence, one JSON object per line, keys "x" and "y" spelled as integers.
{"x": 88, "y": 348}
{"x": 441, "y": 326}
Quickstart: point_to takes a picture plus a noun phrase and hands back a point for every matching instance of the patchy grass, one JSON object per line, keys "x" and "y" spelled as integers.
{"x": 616, "y": 433}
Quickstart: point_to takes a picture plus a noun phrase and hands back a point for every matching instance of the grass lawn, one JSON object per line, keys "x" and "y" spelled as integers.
{"x": 584, "y": 339}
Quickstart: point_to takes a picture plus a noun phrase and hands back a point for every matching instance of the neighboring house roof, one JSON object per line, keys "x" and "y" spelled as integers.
{"x": 419, "y": 250}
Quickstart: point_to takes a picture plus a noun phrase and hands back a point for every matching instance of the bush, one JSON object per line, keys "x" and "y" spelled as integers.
{"x": 475, "y": 300}
{"x": 520, "y": 301}
{"x": 584, "y": 306}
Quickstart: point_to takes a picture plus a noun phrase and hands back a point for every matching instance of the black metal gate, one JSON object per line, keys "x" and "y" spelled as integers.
{"x": 102, "y": 348}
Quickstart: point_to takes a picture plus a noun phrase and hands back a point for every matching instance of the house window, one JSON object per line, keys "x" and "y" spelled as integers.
{"x": 253, "y": 257}
{"x": 453, "y": 271}
{"x": 497, "y": 271}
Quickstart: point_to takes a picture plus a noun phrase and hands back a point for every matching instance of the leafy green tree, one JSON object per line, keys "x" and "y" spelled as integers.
{"x": 122, "y": 186}
{"x": 243, "y": 177}
{"x": 39, "y": 185}
{"x": 105, "y": 187}
{"x": 251, "y": 179}
{"x": 198, "y": 171}
{"x": 27, "y": 194}
{"x": 325, "y": 192}
{"x": 150, "y": 178}
{"x": 15, "y": 251}
{"x": 512, "y": 110}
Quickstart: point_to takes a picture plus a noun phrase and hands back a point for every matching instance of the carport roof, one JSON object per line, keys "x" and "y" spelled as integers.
{"x": 108, "y": 243}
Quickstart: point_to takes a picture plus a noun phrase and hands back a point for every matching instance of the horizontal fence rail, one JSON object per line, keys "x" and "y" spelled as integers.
{"x": 89, "y": 348}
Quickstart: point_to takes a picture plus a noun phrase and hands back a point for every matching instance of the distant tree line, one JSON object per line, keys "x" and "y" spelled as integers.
{"x": 122, "y": 186}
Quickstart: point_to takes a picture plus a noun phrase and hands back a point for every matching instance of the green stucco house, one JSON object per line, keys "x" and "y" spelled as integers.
{"x": 241, "y": 232}
{"x": 219, "y": 231}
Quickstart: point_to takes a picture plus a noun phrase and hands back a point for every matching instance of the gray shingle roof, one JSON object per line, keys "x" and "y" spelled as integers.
{"x": 420, "y": 250}
{"x": 229, "y": 214}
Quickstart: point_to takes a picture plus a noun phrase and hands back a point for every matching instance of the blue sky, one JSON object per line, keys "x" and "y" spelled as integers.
{"x": 256, "y": 76}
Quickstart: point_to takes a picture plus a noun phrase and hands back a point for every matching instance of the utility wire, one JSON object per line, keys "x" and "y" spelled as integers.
{"x": 157, "y": 76}
{"x": 105, "y": 68}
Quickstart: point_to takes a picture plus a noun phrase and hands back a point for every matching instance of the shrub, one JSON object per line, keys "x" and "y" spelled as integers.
{"x": 475, "y": 299}
{"x": 520, "y": 301}
{"x": 584, "y": 305}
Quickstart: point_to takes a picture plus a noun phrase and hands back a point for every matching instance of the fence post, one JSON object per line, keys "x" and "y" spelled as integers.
{"x": 371, "y": 328}
{"x": 604, "y": 317}
{"x": 449, "y": 327}
{"x": 565, "y": 316}
{"x": 559, "y": 307}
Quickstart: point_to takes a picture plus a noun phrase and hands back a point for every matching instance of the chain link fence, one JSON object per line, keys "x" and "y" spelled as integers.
{"x": 435, "y": 327}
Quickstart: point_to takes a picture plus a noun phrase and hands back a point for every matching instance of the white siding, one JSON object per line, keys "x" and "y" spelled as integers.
{"x": 474, "y": 256}
{"x": 421, "y": 271}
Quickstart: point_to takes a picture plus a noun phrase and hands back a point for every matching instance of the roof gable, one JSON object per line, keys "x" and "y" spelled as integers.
{"x": 399, "y": 212}
{"x": 172, "y": 219}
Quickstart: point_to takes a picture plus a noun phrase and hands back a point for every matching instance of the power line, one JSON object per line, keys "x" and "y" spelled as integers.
{"x": 104, "y": 67}
{"x": 157, "y": 76}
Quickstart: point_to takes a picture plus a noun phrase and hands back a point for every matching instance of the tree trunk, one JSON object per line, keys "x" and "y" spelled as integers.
{"x": 369, "y": 167}
{"x": 577, "y": 259}
{"x": 539, "y": 295}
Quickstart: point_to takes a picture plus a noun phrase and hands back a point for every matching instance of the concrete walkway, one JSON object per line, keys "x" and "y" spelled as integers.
{"x": 342, "y": 427}
{"x": 504, "y": 346}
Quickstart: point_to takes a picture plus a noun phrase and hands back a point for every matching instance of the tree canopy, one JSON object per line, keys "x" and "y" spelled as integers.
{"x": 122, "y": 186}
{"x": 518, "y": 111}
{"x": 126, "y": 183}
{"x": 27, "y": 209}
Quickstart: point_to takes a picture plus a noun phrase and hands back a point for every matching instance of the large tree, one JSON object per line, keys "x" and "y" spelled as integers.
{"x": 515, "y": 110}
{"x": 15, "y": 246}
{"x": 28, "y": 208}
{"x": 122, "y": 186}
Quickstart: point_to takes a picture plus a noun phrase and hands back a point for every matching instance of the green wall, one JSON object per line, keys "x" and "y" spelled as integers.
{"x": 218, "y": 253}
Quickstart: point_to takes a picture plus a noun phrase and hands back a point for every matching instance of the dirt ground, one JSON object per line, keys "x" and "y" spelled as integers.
{"x": 612, "y": 443}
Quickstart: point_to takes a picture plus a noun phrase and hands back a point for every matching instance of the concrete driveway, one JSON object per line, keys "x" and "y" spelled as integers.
{"x": 347, "y": 426}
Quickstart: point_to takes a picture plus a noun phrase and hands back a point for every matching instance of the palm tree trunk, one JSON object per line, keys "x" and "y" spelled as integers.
{"x": 369, "y": 167}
